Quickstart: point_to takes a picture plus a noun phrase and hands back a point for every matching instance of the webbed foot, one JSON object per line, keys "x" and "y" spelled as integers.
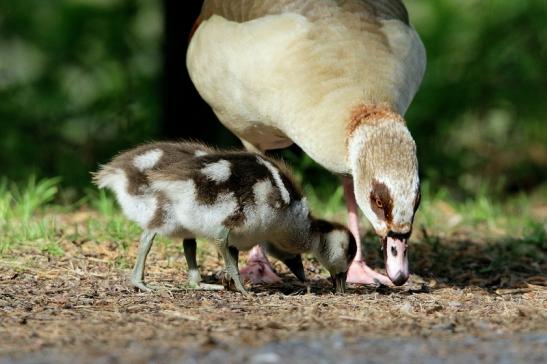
{"x": 361, "y": 273}
{"x": 140, "y": 285}
{"x": 259, "y": 269}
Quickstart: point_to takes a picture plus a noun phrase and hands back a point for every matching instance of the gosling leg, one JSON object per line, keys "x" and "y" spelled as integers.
{"x": 230, "y": 256}
{"x": 137, "y": 277}
{"x": 190, "y": 247}
{"x": 296, "y": 267}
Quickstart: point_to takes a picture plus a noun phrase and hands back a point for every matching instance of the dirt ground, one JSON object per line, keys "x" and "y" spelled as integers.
{"x": 80, "y": 308}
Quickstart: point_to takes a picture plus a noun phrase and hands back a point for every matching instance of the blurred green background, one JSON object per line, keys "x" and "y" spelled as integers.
{"x": 82, "y": 79}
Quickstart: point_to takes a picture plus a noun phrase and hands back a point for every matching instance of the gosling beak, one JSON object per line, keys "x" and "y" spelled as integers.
{"x": 339, "y": 282}
{"x": 396, "y": 258}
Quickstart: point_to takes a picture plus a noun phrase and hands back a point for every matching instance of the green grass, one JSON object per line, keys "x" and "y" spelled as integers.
{"x": 485, "y": 213}
{"x": 113, "y": 226}
{"x": 23, "y": 218}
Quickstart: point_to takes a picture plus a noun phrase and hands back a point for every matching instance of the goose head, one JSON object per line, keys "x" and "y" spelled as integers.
{"x": 382, "y": 156}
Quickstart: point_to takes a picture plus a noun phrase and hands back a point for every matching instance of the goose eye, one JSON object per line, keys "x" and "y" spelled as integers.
{"x": 378, "y": 203}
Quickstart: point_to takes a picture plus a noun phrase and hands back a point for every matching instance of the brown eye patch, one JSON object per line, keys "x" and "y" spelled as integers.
{"x": 381, "y": 201}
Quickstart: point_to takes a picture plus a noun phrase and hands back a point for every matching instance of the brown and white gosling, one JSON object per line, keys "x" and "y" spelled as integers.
{"x": 188, "y": 190}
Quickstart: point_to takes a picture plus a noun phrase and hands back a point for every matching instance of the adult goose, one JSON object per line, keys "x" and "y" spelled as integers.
{"x": 335, "y": 77}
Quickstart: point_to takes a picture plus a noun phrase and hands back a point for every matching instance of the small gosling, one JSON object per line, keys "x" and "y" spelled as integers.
{"x": 238, "y": 199}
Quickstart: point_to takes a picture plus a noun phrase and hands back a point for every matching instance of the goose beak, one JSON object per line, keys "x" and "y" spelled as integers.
{"x": 339, "y": 282}
{"x": 396, "y": 259}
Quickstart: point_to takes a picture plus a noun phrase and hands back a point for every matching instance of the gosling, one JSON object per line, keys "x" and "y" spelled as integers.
{"x": 238, "y": 199}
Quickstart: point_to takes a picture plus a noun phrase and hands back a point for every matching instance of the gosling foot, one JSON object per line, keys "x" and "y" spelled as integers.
{"x": 141, "y": 285}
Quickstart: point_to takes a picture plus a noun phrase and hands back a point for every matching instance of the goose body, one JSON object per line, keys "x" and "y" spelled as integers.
{"x": 300, "y": 71}
{"x": 187, "y": 190}
{"x": 333, "y": 76}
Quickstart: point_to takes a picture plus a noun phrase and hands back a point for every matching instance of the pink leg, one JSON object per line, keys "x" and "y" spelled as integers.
{"x": 359, "y": 272}
{"x": 258, "y": 269}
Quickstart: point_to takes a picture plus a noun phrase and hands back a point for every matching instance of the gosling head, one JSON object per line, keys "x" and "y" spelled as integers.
{"x": 334, "y": 247}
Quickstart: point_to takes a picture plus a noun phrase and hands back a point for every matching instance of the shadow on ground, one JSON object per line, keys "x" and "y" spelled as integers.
{"x": 462, "y": 262}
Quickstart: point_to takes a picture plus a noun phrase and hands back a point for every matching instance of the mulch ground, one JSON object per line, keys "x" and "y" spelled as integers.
{"x": 82, "y": 302}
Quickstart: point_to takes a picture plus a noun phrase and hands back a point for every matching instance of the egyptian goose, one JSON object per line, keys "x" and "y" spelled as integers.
{"x": 186, "y": 190}
{"x": 334, "y": 77}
